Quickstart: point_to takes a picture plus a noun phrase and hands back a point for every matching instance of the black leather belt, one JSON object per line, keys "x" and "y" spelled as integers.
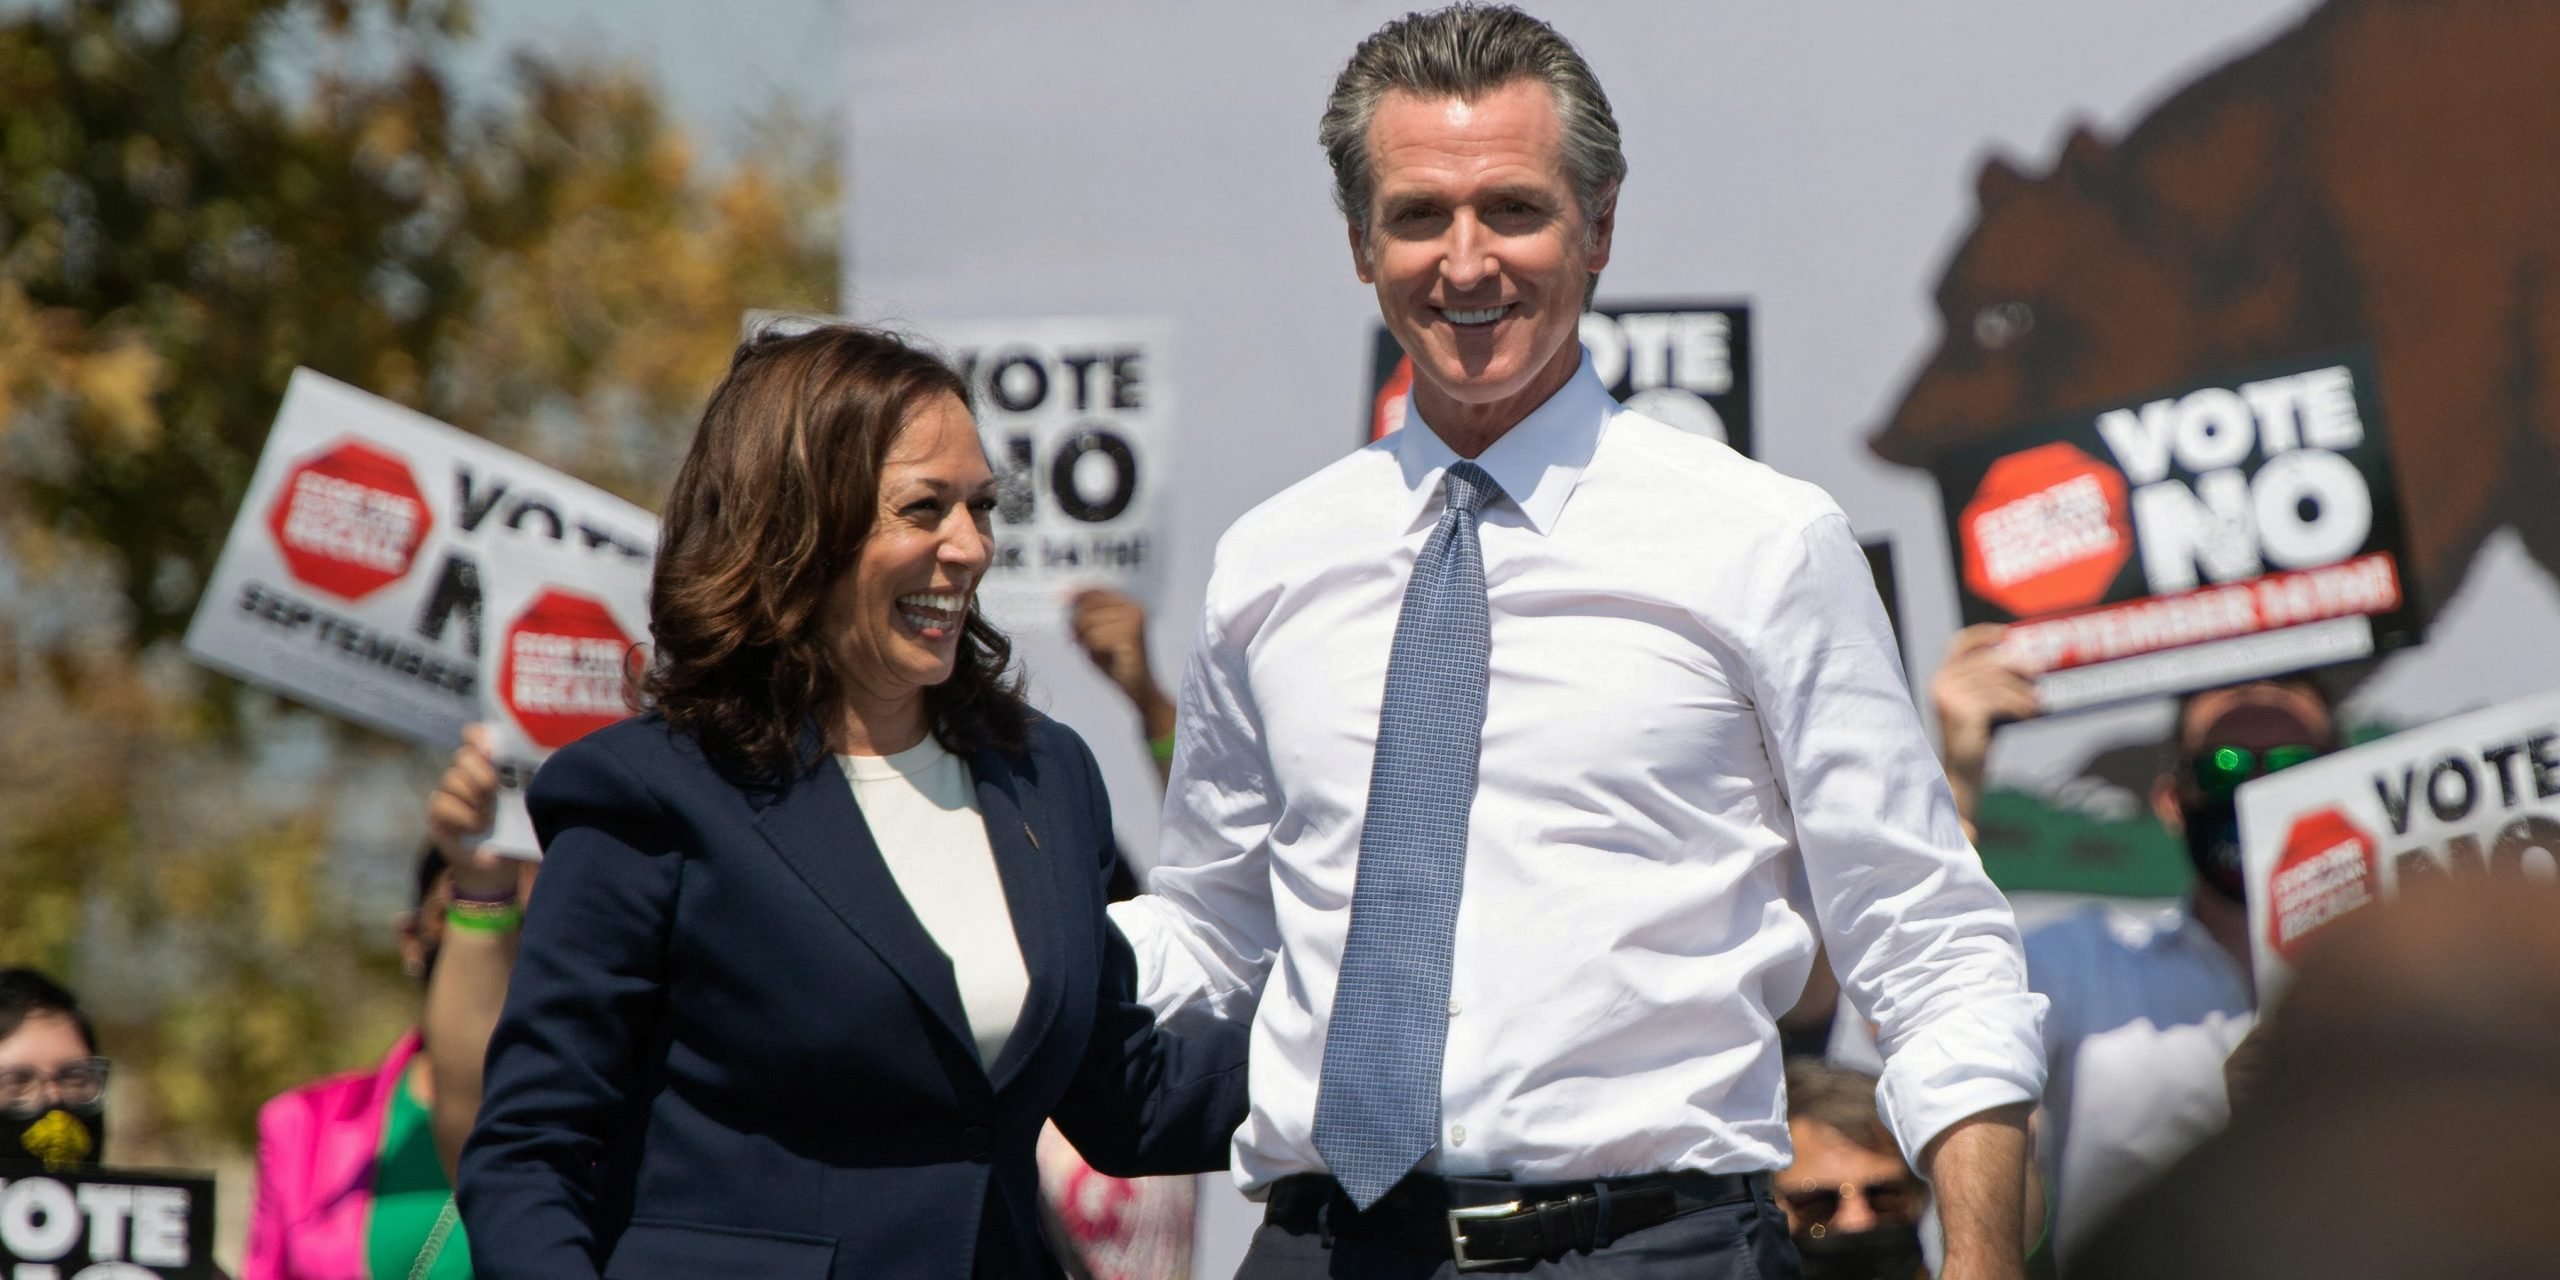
{"x": 1478, "y": 1222}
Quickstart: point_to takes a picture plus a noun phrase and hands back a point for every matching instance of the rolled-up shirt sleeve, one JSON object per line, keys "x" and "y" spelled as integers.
{"x": 1204, "y": 935}
{"x": 1924, "y": 944}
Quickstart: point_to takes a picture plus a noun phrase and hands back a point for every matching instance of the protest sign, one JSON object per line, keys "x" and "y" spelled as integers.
{"x": 104, "y": 1224}
{"x": 377, "y": 549}
{"x": 1077, "y": 416}
{"x": 570, "y": 633}
{"x": 2212, "y": 533}
{"x": 353, "y": 576}
{"x": 2478, "y": 794}
{"x": 1684, "y": 363}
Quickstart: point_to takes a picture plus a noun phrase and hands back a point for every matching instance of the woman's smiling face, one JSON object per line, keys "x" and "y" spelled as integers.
{"x": 893, "y": 620}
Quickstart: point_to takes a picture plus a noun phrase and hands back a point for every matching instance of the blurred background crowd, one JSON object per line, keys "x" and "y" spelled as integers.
{"x": 541, "y": 221}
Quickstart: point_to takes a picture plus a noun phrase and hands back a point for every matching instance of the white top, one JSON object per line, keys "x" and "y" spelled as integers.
{"x": 2147, "y": 973}
{"x": 922, "y": 809}
{"x": 1698, "y": 743}
{"x": 2147, "y": 1095}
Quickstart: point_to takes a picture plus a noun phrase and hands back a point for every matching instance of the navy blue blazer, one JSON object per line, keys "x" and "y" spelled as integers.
{"x": 730, "y": 1049}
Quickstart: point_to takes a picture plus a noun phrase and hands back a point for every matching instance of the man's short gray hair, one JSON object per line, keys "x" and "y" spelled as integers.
{"x": 1466, "y": 51}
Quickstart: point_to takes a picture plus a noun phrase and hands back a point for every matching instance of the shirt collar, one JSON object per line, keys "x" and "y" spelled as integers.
{"x": 1537, "y": 462}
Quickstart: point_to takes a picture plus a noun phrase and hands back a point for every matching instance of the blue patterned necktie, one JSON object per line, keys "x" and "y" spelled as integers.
{"x": 1378, "y": 1100}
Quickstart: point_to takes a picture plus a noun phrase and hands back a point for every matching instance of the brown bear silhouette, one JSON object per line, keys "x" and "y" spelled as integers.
{"x": 2387, "y": 172}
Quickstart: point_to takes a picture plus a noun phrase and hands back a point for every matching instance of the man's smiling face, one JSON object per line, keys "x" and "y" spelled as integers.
{"x": 1479, "y": 252}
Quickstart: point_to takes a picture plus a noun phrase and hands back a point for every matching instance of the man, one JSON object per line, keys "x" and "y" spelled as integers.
{"x": 1523, "y": 753}
{"x": 2145, "y": 1004}
{"x": 1852, "y": 1205}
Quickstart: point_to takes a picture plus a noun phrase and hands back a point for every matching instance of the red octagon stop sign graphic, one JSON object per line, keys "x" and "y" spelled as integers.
{"x": 350, "y": 520}
{"x": 2047, "y": 530}
{"x": 561, "y": 675}
{"x": 2327, "y": 869}
{"x": 1388, "y": 412}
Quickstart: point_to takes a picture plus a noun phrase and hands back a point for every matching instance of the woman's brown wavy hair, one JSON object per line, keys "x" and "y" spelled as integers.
{"x": 775, "y": 497}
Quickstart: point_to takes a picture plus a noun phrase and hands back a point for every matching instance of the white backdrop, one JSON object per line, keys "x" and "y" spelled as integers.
{"x": 1148, "y": 156}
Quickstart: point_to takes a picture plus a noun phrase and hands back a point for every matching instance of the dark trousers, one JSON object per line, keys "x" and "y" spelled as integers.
{"x": 1746, "y": 1240}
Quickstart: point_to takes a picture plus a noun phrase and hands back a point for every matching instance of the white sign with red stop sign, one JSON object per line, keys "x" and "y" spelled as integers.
{"x": 2475, "y": 795}
{"x": 359, "y": 574}
{"x": 572, "y": 641}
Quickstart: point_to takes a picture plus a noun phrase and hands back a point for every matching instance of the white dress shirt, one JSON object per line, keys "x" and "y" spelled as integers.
{"x": 1697, "y": 745}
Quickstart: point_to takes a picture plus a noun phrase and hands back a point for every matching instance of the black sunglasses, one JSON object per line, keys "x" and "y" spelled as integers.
{"x": 1892, "y": 1200}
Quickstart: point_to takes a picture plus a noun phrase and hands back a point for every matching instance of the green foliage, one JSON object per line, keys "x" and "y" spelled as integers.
{"x": 165, "y": 210}
{"x": 181, "y": 225}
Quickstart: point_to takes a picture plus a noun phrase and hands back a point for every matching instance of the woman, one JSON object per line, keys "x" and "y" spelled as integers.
{"x": 53, "y": 1083}
{"x": 355, "y": 1171}
{"x": 820, "y": 939}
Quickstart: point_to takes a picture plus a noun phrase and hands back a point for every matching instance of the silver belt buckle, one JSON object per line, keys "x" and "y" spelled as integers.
{"x": 1458, "y": 1218}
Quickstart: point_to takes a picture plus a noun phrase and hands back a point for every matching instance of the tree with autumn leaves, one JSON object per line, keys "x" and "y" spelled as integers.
{"x": 180, "y": 227}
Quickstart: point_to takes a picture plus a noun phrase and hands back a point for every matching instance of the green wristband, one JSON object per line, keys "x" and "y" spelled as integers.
{"x": 484, "y": 917}
{"x": 1161, "y": 749}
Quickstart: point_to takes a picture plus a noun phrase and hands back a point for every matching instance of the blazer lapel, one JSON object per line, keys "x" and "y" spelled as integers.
{"x": 1033, "y": 895}
{"x": 820, "y": 833}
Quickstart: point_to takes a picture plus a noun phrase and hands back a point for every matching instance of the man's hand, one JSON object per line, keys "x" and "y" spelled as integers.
{"x": 1113, "y": 630}
{"x": 1979, "y": 686}
{"x": 1977, "y": 1170}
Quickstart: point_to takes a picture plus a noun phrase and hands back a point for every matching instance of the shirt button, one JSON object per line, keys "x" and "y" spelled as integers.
{"x": 1454, "y": 1006}
{"x": 1457, "y": 1135}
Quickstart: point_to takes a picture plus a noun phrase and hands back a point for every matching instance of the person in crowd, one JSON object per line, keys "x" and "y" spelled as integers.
{"x": 820, "y": 941}
{"x": 1524, "y": 754}
{"x": 1111, "y": 627}
{"x": 1118, "y": 1228}
{"x": 1852, "y": 1203}
{"x": 476, "y": 953}
{"x": 53, "y": 1080}
{"x": 355, "y": 1172}
{"x": 2147, "y": 1003}
{"x": 2403, "y": 1117}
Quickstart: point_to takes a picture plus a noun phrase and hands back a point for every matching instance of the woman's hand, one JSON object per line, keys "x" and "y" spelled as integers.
{"x": 461, "y": 811}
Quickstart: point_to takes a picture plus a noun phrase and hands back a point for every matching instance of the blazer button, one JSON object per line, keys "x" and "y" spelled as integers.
{"x": 976, "y": 1142}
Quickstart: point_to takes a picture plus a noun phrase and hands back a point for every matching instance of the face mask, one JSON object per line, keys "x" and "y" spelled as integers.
{"x": 2213, "y": 845}
{"x": 62, "y": 1137}
{"x": 1879, "y": 1253}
